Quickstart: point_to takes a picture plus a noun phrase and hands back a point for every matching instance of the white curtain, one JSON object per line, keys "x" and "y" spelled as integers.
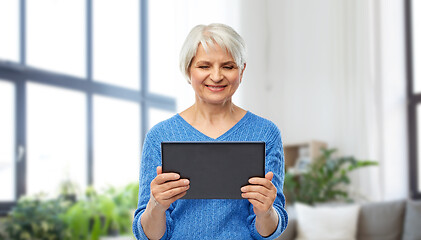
{"x": 357, "y": 89}
{"x": 336, "y": 74}
{"x": 391, "y": 73}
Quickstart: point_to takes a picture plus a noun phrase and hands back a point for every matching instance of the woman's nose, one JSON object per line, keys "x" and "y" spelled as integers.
{"x": 216, "y": 75}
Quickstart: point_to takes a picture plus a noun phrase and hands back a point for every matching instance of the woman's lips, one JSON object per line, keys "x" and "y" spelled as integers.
{"x": 215, "y": 88}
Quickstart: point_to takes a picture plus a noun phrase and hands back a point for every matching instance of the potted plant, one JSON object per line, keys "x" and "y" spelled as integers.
{"x": 90, "y": 217}
{"x": 324, "y": 179}
{"x": 125, "y": 199}
{"x": 37, "y": 218}
{"x": 68, "y": 190}
{"x": 108, "y": 214}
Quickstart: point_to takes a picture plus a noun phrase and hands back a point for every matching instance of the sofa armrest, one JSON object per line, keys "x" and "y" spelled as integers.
{"x": 290, "y": 232}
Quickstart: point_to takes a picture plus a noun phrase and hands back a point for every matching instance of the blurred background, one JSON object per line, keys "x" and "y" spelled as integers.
{"x": 82, "y": 81}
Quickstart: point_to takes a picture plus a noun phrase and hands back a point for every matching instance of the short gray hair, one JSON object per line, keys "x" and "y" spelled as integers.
{"x": 215, "y": 33}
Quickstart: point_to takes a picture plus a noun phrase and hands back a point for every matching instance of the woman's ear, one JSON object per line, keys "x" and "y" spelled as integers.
{"x": 188, "y": 72}
{"x": 242, "y": 71}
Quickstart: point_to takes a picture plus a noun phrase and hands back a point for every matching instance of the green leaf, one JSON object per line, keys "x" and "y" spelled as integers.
{"x": 324, "y": 179}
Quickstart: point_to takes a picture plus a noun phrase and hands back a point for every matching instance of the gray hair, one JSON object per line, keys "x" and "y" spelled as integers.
{"x": 216, "y": 33}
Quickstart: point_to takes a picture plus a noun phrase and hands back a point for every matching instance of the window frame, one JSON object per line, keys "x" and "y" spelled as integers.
{"x": 413, "y": 100}
{"x": 20, "y": 74}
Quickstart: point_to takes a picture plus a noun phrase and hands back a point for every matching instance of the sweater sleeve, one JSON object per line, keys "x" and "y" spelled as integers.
{"x": 274, "y": 163}
{"x": 151, "y": 158}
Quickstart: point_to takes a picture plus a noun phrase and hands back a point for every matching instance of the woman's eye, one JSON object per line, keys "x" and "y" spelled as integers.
{"x": 203, "y": 67}
{"x": 229, "y": 67}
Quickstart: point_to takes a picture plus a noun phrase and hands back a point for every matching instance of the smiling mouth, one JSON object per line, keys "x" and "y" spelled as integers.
{"x": 215, "y": 87}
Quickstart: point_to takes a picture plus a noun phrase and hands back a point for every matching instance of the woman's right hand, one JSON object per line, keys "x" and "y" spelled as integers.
{"x": 166, "y": 188}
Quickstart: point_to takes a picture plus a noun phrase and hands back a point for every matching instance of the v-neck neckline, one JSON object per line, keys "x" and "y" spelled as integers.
{"x": 224, "y": 135}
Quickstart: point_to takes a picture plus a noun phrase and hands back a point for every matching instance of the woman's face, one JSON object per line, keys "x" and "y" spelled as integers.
{"x": 214, "y": 75}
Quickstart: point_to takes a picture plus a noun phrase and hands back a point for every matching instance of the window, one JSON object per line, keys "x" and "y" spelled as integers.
{"x": 116, "y": 148}
{"x": 413, "y": 38}
{"x": 74, "y": 96}
{"x": 9, "y": 27}
{"x": 56, "y": 45}
{"x": 116, "y": 42}
{"x": 7, "y": 141}
{"x": 56, "y": 143}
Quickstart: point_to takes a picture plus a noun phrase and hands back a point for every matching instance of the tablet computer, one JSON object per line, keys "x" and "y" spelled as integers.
{"x": 216, "y": 170}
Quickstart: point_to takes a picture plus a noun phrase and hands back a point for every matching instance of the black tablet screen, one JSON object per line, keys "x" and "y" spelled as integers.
{"x": 216, "y": 170}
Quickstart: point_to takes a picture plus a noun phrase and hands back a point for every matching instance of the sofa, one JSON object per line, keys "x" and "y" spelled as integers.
{"x": 393, "y": 220}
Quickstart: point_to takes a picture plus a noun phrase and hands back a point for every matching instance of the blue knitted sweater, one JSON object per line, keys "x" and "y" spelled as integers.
{"x": 211, "y": 218}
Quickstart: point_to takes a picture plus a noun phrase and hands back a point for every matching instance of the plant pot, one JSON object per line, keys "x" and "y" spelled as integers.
{"x": 69, "y": 197}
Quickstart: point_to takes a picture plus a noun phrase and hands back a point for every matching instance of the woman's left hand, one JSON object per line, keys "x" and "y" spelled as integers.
{"x": 261, "y": 193}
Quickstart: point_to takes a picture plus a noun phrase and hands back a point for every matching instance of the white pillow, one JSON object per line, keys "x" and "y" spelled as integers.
{"x": 327, "y": 222}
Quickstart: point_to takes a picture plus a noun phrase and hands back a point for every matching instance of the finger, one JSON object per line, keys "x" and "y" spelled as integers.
{"x": 165, "y": 177}
{"x": 269, "y": 176}
{"x": 256, "y": 188}
{"x": 255, "y": 196}
{"x": 263, "y": 182}
{"x": 171, "y": 193}
{"x": 176, "y": 197}
{"x": 165, "y": 200}
{"x": 173, "y": 184}
{"x": 158, "y": 170}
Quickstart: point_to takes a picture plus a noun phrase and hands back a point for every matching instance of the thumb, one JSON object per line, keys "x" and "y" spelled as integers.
{"x": 269, "y": 176}
{"x": 158, "y": 170}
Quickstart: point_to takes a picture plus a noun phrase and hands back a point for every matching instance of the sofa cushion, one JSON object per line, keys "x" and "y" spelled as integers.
{"x": 412, "y": 227}
{"x": 327, "y": 222}
{"x": 381, "y": 221}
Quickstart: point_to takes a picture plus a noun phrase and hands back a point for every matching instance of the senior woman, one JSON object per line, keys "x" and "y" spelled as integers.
{"x": 213, "y": 61}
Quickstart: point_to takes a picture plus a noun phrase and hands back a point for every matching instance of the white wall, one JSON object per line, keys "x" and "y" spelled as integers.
{"x": 300, "y": 69}
{"x": 254, "y": 30}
